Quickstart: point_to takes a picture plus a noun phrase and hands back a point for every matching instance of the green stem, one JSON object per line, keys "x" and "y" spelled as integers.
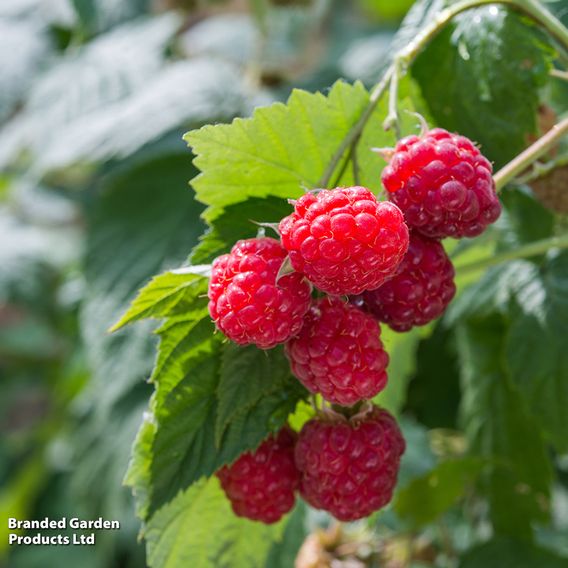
{"x": 530, "y": 155}
{"x": 405, "y": 57}
{"x": 392, "y": 118}
{"x": 526, "y": 251}
{"x": 355, "y": 131}
{"x": 544, "y": 18}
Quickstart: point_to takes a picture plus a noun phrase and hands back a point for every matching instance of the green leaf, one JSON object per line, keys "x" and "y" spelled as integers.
{"x": 500, "y": 427}
{"x": 144, "y": 223}
{"x": 434, "y": 392}
{"x": 198, "y": 529}
{"x": 508, "y": 553}
{"x": 428, "y": 497}
{"x": 536, "y": 344}
{"x": 481, "y": 77}
{"x": 283, "y": 553}
{"x": 238, "y": 222}
{"x": 197, "y": 426}
{"x": 174, "y": 292}
{"x": 247, "y": 375}
{"x": 283, "y": 148}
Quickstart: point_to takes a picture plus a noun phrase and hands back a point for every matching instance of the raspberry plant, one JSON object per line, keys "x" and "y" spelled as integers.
{"x": 343, "y": 215}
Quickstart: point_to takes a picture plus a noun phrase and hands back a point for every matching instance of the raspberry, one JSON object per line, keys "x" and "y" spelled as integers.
{"x": 247, "y": 303}
{"x": 349, "y": 468}
{"x": 443, "y": 184}
{"x": 344, "y": 240}
{"x": 339, "y": 353}
{"x": 421, "y": 290}
{"x": 261, "y": 484}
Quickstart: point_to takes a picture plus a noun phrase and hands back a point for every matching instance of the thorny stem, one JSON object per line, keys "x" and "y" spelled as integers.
{"x": 526, "y": 251}
{"x": 405, "y": 57}
{"x": 530, "y": 155}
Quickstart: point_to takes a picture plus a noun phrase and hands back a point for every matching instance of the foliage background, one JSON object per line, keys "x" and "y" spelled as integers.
{"x": 94, "y": 99}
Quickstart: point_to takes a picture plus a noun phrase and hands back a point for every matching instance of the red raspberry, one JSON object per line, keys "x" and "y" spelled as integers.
{"x": 421, "y": 290}
{"x": 339, "y": 353}
{"x": 443, "y": 185}
{"x": 349, "y": 468}
{"x": 261, "y": 484}
{"x": 247, "y": 303}
{"x": 344, "y": 240}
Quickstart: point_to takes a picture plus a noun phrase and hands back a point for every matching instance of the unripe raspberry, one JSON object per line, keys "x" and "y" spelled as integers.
{"x": 349, "y": 468}
{"x": 443, "y": 185}
{"x": 247, "y": 303}
{"x": 344, "y": 240}
{"x": 421, "y": 290}
{"x": 261, "y": 484}
{"x": 339, "y": 353}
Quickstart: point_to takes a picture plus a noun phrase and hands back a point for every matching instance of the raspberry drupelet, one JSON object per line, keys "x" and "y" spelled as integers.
{"x": 339, "y": 353}
{"x": 344, "y": 240}
{"x": 349, "y": 467}
{"x": 247, "y": 303}
{"x": 419, "y": 292}
{"x": 443, "y": 185}
{"x": 261, "y": 485}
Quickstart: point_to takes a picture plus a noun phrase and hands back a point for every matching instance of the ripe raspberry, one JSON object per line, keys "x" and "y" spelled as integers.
{"x": 261, "y": 484}
{"x": 421, "y": 290}
{"x": 344, "y": 240}
{"x": 339, "y": 353}
{"x": 247, "y": 303}
{"x": 443, "y": 185}
{"x": 349, "y": 468}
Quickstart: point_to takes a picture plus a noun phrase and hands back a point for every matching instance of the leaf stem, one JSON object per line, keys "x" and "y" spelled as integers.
{"x": 521, "y": 162}
{"x": 532, "y": 249}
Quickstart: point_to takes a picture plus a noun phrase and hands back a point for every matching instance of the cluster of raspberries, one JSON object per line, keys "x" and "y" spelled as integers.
{"x": 372, "y": 261}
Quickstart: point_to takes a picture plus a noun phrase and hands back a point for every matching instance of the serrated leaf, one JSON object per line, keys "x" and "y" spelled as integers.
{"x": 186, "y": 409}
{"x": 171, "y": 293}
{"x": 238, "y": 222}
{"x": 508, "y": 553}
{"x": 283, "y": 148}
{"x": 500, "y": 428}
{"x": 428, "y": 497}
{"x": 536, "y": 345}
{"x": 198, "y": 529}
{"x": 481, "y": 77}
{"x": 247, "y": 375}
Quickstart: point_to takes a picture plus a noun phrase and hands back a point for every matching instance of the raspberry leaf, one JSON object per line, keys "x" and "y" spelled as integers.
{"x": 237, "y": 222}
{"x": 509, "y": 553}
{"x": 180, "y": 440}
{"x": 198, "y": 529}
{"x": 282, "y": 148}
{"x": 247, "y": 375}
{"x": 171, "y": 291}
{"x": 500, "y": 427}
{"x": 481, "y": 77}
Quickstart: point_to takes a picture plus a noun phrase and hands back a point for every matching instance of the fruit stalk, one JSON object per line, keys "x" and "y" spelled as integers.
{"x": 527, "y": 157}
{"x": 526, "y": 251}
